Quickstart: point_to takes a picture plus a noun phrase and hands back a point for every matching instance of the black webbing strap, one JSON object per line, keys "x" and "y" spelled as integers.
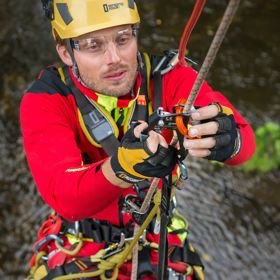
{"x": 157, "y": 89}
{"x": 141, "y": 108}
{"x": 99, "y": 231}
{"x": 164, "y": 222}
{"x": 69, "y": 268}
{"x": 186, "y": 255}
{"x": 96, "y": 123}
{"x": 144, "y": 266}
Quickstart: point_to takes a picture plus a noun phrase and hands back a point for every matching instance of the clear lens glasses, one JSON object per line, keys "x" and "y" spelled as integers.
{"x": 97, "y": 45}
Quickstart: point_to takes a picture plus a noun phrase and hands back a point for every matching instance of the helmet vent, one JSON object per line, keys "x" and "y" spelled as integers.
{"x": 64, "y": 12}
{"x": 131, "y": 4}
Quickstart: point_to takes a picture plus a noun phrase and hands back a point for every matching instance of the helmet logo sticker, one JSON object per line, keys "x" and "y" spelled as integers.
{"x": 108, "y": 7}
{"x": 64, "y": 12}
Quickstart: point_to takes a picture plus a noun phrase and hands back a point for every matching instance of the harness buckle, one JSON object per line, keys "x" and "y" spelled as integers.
{"x": 142, "y": 238}
{"x": 173, "y": 275}
{"x": 122, "y": 240}
{"x": 139, "y": 217}
{"x": 98, "y": 125}
{"x": 77, "y": 228}
{"x": 130, "y": 203}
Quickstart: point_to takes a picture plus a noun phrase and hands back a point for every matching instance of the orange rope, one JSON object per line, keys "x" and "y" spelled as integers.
{"x": 199, "y": 5}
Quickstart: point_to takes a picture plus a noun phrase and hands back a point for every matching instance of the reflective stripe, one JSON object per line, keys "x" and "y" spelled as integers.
{"x": 60, "y": 71}
{"x": 85, "y": 131}
{"x": 148, "y": 68}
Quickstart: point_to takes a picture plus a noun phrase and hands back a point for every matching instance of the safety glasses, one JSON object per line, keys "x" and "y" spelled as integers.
{"x": 97, "y": 45}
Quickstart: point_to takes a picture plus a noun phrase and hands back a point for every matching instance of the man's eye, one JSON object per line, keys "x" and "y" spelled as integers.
{"x": 94, "y": 45}
{"x": 122, "y": 40}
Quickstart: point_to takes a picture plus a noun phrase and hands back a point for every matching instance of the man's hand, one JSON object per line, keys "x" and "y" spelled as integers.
{"x": 135, "y": 160}
{"x": 218, "y": 132}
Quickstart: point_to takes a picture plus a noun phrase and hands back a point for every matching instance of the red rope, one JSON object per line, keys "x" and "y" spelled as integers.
{"x": 189, "y": 28}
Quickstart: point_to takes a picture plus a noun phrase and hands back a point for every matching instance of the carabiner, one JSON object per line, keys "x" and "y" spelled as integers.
{"x": 45, "y": 240}
{"x": 41, "y": 242}
{"x": 130, "y": 203}
{"x": 183, "y": 175}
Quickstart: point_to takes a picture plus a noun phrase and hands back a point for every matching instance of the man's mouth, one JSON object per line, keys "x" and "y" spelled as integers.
{"x": 115, "y": 76}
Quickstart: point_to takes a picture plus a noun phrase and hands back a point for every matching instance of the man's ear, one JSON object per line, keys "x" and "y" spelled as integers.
{"x": 64, "y": 54}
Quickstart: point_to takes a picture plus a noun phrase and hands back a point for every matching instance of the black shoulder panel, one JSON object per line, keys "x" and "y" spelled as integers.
{"x": 50, "y": 82}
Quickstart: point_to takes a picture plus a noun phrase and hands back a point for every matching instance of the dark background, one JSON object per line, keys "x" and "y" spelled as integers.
{"x": 233, "y": 216}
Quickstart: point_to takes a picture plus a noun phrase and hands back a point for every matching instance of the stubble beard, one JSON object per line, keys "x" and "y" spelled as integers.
{"x": 114, "y": 89}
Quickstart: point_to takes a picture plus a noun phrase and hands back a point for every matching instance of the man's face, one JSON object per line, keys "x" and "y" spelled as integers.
{"x": 107, "y": 60}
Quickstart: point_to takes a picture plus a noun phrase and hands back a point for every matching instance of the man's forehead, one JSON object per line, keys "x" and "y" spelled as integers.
{"x": 104, "y": 32}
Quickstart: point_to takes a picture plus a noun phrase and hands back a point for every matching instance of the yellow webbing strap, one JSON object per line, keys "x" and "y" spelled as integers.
{"x": 98, "y": 107}
{"x": 38, "y": 271}
{"x": 105, "y": 115}
{"x": 148, "y": 68}
{"x": 157, "y": 200}
{"x": 115, "y": 262}
{"x": 198, "y": 270}
{"x": 72, "y": 252}
{"x": 60, "y": 71}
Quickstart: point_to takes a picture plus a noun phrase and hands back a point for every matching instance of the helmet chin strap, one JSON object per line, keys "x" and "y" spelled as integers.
{"x": 140, "y": 61}
{"x": 75, "y": 68}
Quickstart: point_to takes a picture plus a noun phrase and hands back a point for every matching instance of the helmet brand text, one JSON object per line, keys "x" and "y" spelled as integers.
{"x": 108, "y": 7}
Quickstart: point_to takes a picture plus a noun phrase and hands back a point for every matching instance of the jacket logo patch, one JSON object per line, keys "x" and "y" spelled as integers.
{"x": 108, "y": 7}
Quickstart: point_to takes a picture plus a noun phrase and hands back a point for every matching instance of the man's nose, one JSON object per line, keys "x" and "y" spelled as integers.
{"x": 112, "y": 53}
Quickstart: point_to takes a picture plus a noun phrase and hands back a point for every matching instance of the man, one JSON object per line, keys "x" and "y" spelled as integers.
{"x": 91, "y": 182}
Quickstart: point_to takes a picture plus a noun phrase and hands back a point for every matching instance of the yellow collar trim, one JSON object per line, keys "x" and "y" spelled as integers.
{"x": 111, "y": 102}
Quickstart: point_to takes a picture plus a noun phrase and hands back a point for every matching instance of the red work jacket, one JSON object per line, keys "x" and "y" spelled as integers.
{"x": 54, "y": 143}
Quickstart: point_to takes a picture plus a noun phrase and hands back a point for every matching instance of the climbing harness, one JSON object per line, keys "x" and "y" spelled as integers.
{"x": 62, "y": 241}
{"x": 68, "y": 243}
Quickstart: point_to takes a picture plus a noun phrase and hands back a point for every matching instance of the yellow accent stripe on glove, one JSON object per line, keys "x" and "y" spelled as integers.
{"x": 128, "y": 162}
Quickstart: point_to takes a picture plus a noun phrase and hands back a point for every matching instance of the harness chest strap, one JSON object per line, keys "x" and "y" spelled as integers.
{"x": 98, "y": 126}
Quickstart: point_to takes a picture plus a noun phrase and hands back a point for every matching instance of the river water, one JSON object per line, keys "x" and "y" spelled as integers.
{"x": 233, "y": 216}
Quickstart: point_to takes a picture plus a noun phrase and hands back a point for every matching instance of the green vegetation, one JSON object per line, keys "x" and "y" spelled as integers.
{"x": 267, "y": 155}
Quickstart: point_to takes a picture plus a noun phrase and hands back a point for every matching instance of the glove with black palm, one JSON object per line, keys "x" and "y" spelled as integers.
{"x": 135, "y": 162}
{"x": 227, "y": 137}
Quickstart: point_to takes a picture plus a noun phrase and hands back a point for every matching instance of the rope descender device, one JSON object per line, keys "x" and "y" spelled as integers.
{"x": 177, "y": 120}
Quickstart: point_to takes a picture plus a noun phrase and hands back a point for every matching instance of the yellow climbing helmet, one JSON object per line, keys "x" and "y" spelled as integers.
{"x": 72, "y": 18}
